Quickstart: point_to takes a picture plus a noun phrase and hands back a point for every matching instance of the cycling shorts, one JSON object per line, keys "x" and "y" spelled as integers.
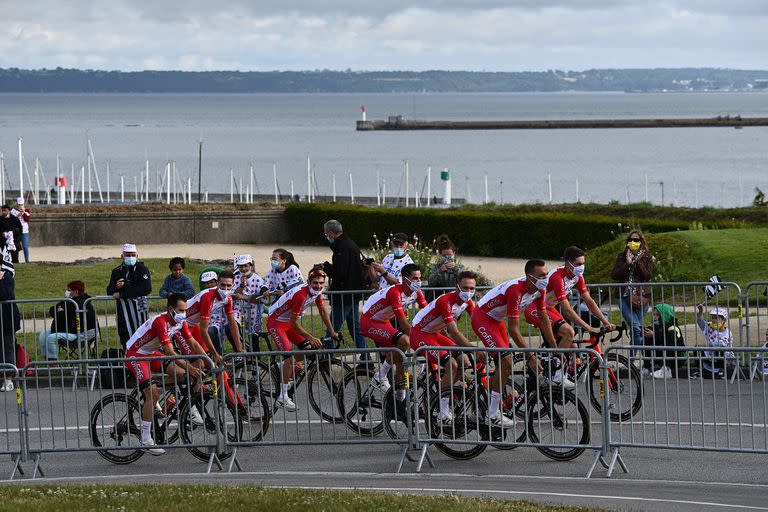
{"x": 492, "y": 332}
{"x": 283, "y": 335}
{"x": 433, "y": 339}
{"x": 555, "y": 318}
{"x": 144, "y": 370}
{"x": 382, "y": 333}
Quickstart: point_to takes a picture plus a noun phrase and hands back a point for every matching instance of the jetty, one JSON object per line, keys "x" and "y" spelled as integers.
{"x": 395, "y": 123}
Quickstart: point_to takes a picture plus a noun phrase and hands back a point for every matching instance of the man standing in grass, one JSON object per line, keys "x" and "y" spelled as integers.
{"x": 130, "y": 284}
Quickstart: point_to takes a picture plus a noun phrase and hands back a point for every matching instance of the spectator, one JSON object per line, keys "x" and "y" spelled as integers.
{"x": 722, "y": 363}
{"x": 248, "y": 289}
{"x": 11, "y": 229}
{"x": 177, "y": 281}
{"x": 346, "y": 273}
{"x": 391, "y": 265}
{"x": 22, "y": 213}
{"x": 634, "y": 265}
{"x": 130, "y": 284}
{"x": 69, "y": 328}
{"x": 662, "y": 364}
{"x": 10, "y": 319}
{"x": 446, "y": 271}
{"x": 283, "y": 273}
{"x": 206, "y": 273}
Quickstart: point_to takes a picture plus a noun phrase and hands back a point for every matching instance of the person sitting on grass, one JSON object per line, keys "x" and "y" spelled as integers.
{"x": 662, "y": 364}
{"x": 722, "y": 363}
{"x": 177, "y": 281}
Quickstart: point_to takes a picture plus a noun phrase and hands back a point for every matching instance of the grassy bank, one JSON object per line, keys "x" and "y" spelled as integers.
{"x": 190, "y": 498}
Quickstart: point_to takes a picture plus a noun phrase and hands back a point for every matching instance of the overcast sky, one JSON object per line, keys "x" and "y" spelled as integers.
{"x": 493, "y": 35}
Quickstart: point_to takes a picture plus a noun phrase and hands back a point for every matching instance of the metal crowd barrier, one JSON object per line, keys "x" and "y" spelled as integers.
{"x": 337, "y": 399}
{"x": 11, "y": 421}
{"x": 59, "y": 419}
{"x": 708, "y": 401}
{"x": 756, "y": 314}
{"x": 555, "y": 420}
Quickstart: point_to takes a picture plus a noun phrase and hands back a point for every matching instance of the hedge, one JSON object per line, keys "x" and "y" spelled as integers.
{"x": 478, "y": 232}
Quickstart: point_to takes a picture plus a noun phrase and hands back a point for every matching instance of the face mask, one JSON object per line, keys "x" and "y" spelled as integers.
{"x": 413, "y": 285}
{"x": 275, "y": 264}
{"x": 446, "y": 259}
{"x": 67, "y": 294}
{"x": 399, "y": 252}
{"x": 578, "y": 270}
{"x": 330, "y": 240}
{"x": 716, "y": 325}
{"x": 247, "y": 272}
{"x": 466, "y": 296}
{"x": 130, "y": 260}
{"x": 179, "y": 317}
{"x": 224, "y": 293}
{"x": 314, "y": 292}
{"x": 633, "y": 246}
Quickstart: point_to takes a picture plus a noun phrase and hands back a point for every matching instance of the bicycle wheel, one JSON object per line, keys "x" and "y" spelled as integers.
{"x": 557, "y": 417}
{"x": 624, "y": 387}
{"x": 115, "y": 427}
{"x": 361, "y": 403}
{"x": 253, "y": 407}
{"x": 191, "y": 434}
{"x": 465, "y": 429}
{"x": 513, "y": 405}
{"x": 324, "y": 379}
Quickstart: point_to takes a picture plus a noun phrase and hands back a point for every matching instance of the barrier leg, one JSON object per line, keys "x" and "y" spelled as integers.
{"x": 424, "y": 455}
{"x": 234, "y": 462}
{"x": 37, "y": 468}
{"x": 616, "y": 457}
{"x": 213, "y": 458}
{"x": 16, "y": 466}
{"x": 598, "y": 458}
{"x": 402, "y": 458}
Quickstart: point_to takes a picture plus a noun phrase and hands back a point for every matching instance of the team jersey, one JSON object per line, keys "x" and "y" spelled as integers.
{"x": 394, "y": 266}
{"x": 288, "y": 278}
{"x": 155, "y": 333}
{"x": 390, "y": 302}
{"x": 508, "y": 298}
{"x": 560, "y": 286}
{"x": 248, "y": 313}
{"x": 440, "y": 312}
{"x": 204, "y": 303}
{"x": 294, "y": 302}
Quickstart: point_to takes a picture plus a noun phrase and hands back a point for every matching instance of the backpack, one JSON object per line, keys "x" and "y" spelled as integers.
{"x": 23, "y": 359}
{"x": 112, "y": 375}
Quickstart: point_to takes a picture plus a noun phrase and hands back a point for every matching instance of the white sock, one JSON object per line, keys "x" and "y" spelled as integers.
{"x": 146, "y": 431}
{"x": 384, "y": 370}
{"x": 283, "y": 390}
{"x": 445, "y": 405}
{"x": 493, "y": 407}
{"x": 400, "y": 394}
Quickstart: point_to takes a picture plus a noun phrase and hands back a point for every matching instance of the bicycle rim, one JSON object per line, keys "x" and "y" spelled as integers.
{"x": 324, "y": 386}
{"x": 115, "y": 428}
{"x": 557, "y": 417}
{"x": 624, "y": 388}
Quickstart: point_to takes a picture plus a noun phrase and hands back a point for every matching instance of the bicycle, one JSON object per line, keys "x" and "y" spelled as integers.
{"x": 323, "y": 374}
{"x": 115, "y": 422}
{"x": 622, "y": 376}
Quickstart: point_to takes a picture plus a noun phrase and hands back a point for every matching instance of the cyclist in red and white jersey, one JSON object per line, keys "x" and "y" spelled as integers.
{"x": 505, "y": 302}
{"x": 440, "y": 316}
{"x": 153, "y": 338}
{"x": 283, "y": 324}
{"x": 378, "y": 312}
{"x": 561, "y": 282}
{"x": 200, "y": 308}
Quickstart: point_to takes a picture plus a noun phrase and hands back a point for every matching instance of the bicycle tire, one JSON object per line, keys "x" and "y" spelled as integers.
{"x": 465, "y": 421}
{"x": 545, "y": 418}
{"x": 126, "y": 428}
{"x": 628, "y": 378}
{"x": 514, "y": 408}
{"x": 257, "y": 416}
{"x": 360, "y": 403}
{"x": 322, "y": 396}
{"x": 231, "y": 423}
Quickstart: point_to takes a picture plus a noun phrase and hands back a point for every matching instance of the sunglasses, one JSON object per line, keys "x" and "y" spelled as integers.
{"x": 633, "y": 240}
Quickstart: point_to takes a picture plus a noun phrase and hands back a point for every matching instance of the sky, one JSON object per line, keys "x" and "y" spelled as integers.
{"x": 477, "y": 35}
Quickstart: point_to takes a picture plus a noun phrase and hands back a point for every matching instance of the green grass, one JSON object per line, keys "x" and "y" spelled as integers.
{"x": 190, "y": 498}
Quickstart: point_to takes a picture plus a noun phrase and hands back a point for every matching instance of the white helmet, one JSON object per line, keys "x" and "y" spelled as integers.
{"x": 244, "y": 259}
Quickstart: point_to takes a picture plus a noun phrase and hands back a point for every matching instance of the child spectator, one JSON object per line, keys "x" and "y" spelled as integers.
{"x": 719, "y": 364}
{"x": 177, "y": 281}
{"x": 662, "y": 364}
{"x": 283, "y": 273}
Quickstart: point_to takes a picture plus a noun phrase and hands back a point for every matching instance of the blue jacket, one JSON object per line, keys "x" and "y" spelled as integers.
{"x": 182, "y": 285}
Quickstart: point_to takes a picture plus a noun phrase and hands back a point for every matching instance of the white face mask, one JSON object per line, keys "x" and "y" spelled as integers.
{"x": 413, "y": 285}
{"x": 224, "y": 293}
{"x": 314, "y": 292}
{"x": 578, "y": 270}
{"x": 542, "y": 283}
{"x": 68, "y": 294}
{"x": 399, "y": 252}
{"x": 179, "y": 317}
{"x": 466, "y": 296}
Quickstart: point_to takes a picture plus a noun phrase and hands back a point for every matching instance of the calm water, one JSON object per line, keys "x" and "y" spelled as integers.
{"x": 714, "y": 166}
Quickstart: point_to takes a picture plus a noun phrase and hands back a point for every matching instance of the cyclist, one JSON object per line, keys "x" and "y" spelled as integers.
{"x": 438, "y": 317}
{"x": 199, "y": 312}
{"x": 561, "y": 282}
{"x": 505, "y": 301}
{"x": 283, "y": 324}
{"x": 248, "y": 289}
{"x": 151, "y": 337}
{"x": 378, "y": 312}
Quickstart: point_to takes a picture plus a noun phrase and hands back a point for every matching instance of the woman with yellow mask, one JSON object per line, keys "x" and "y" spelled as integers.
{"x": 634, "y": 264}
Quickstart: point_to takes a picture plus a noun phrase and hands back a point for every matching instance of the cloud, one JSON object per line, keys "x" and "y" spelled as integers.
{"x": 428, "y": 34}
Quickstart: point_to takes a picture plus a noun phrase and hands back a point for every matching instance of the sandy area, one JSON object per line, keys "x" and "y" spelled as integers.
{"x": 497, "y": 269}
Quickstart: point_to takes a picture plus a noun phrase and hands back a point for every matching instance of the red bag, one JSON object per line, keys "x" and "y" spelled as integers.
{"x": 22, "y": 358}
